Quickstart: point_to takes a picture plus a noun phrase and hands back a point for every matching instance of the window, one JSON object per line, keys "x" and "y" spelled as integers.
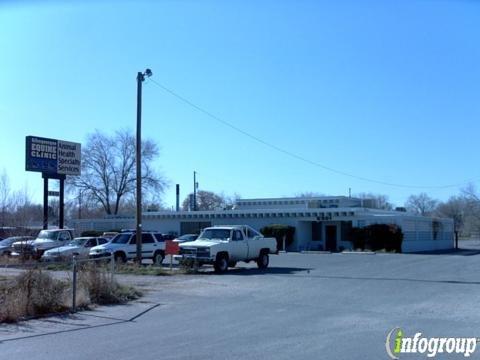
{"x": 64, "y": 235}
{"x": 133, "y": 240}
{"x": 252, "y": 233}
{"x": 221, "y": 234}
{"x": 102, "y": 241}
{"x": 237, "y": 235}
{"x": 90, "y": 243}
{"x": 122, "y": 239}
{"x": 147, "y": 239}
{"x": 159, "y": 237}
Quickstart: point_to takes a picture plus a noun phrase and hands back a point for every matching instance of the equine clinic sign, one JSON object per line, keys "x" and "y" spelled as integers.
{"x": 51, "y": 156}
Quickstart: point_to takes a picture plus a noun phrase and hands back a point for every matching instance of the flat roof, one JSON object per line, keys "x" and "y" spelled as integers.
{"x": 298, "y": 198}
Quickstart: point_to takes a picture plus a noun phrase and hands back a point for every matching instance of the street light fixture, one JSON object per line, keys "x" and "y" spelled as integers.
{"x": 140, "y": 79}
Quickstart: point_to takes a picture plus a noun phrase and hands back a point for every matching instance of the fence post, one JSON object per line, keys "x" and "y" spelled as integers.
{"x": 112, "y": 266}
{"x": 74, "y": 284}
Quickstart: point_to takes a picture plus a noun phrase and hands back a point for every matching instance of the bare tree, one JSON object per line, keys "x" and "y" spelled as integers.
{"x": 208, "y": 200}
{"x": 421, "y": 204}
{"x": 150, "y": 202}
{"x": 83, "y": 206}
{"x": 472, "y": 209}
{"x": 230, "y": 201}
{"x": 456, "y": 208}
{"x": 24, "y": 212}
{"x": 5, "y": 198}
{"x": 108, "y": 169}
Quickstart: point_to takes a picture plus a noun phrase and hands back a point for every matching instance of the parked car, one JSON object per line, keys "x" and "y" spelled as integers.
{"x": 124, "y": 247}
{"x": 6, "y": 247}
{"x": 223, "y": 246}
{"x": 186, "y": 237}
{"x": 78, "y": 246}
{"x": 45, "y": 240}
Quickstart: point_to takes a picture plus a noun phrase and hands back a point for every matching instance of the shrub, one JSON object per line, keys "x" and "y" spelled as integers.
{"x": 97, "y": 283}
{"x": 377, "y": 237}
{"x": 36, "y": 293}
{"x": 32, "y": 293}
{"x": 279, "y": 231}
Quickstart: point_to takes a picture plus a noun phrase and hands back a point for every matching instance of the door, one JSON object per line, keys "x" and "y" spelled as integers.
{"x": 238, "y": 246}
{"x": 331, "y": 238}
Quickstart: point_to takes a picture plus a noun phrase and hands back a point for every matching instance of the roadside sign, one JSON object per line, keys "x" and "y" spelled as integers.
{"x": 52, "y": 156}
{"x": 171, "y": 247}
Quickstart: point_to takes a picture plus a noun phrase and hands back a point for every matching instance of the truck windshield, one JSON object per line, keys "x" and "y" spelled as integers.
{"x": 221, "y": 234}
{"x": 44, "y": 234}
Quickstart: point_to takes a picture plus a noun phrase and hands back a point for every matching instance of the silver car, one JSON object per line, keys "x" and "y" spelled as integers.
{"x": 78, "y": 246}
{"x": 6, "y": 245}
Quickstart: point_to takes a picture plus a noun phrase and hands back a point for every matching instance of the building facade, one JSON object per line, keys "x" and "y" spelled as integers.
{"x": 321, "y": 223}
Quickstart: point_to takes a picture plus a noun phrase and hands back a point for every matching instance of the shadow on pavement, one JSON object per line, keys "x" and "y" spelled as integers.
{"x": 254, "y": 271}
{"x": 339, "y": 277}
{"x": 461, "y": 252}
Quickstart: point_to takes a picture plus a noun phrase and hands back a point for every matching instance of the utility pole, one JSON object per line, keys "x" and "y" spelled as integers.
{"x": 138, "y": 158}
{"x": 80, "y": 204}
{"x": 177, "y": 194}
{"x": 194, "y": 191}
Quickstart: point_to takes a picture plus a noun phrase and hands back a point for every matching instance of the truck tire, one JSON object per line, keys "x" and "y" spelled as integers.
{"x": 120, "y": 257}
{"x": 232, "y": 264}
{"x": 158, "y": 257}
{"x": 221, "y": 263}
{"x": 263, "y": 260}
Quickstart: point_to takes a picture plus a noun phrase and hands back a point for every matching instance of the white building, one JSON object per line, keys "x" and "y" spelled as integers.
{"x": 321, "y": 223}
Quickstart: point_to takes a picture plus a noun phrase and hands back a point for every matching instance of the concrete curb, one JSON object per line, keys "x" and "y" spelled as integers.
{"x": 315, "y": 252}
{"x": 359, "y": 252}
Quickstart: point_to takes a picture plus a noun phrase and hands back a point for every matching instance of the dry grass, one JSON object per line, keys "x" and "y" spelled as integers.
{"x": 97, "y": 283}
{"x": 188, "y": 266}
{"x": 134, "y": 269}
{"x": 16, "y": 261}
{"x": 35, "y": 293}
{"x": 32, "y": 293}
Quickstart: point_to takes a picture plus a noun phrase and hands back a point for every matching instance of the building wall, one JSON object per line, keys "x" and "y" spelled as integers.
{"x": 102, "y": 224}
{"x": 420, "y": 233}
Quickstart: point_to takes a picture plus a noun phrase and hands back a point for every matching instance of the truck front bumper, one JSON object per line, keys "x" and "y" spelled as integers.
{"x": 194, "y": 258}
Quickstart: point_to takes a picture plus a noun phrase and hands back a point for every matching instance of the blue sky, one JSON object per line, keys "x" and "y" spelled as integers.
{"x": 385, "y": 90}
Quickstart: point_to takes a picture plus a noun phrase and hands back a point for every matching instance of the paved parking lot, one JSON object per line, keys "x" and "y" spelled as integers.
{"x": 306, "y": 306}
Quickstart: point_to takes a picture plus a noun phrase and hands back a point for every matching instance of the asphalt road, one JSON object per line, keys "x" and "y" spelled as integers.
{"x": 306, "y": 306}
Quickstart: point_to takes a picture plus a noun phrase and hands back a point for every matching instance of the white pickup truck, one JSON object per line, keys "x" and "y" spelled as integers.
{"x": 224, "y": 245}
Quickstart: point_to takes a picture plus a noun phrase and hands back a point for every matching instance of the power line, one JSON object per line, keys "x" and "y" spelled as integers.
{"x": 296, "y": 156}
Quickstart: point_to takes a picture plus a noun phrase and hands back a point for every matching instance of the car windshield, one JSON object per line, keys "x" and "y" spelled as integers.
{"x": 187, "y": 237}
{"x": 121, "y": 239}
{"x": 78, "y": 242}
{"x": 222, "y": 234}
{"x": 44, "y": 234}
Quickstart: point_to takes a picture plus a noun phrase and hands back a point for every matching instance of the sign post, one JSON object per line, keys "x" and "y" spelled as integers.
{"x": 171, "y": 248}
{"x": 55, "y": 159}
